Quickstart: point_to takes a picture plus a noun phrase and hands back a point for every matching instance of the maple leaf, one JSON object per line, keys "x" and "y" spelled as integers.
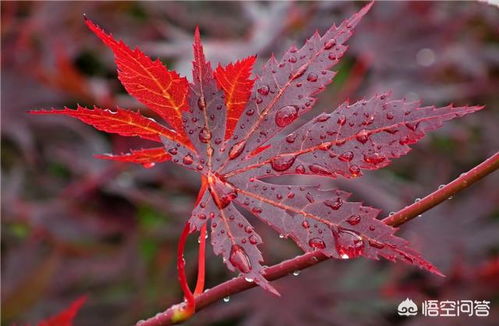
{"x": 232, "y": 135}
{"x": 65, "y": 318}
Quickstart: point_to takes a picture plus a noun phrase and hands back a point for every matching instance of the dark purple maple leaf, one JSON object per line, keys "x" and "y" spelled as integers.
{"x": 362, "y": 136}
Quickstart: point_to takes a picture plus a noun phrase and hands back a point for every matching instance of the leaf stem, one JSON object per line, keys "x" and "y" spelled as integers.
{"x": 238, "y": 284}
{"x": 201, "y": 261}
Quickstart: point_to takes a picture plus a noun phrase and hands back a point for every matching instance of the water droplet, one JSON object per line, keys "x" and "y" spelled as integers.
{"x": 281, "y": 236}
{"x": 239, "y": 259}
{"x": 329, "y": 44}
{"x": 450, "y": 197}
{"x": 282, "y": 162}
{"x": 323, "y": 117}
{"x": 391, "y": 213}
{"x": 202, "y": 103}
{"x": 188, "y": 159}
{"x": 237, "y": 149}
{"x": 253, "y": 239}
{"x": 417, "y": 200}
{"x": 296, "y": 273}
{"x": 204, "y": 135}
{"x": 372, "y": 228}
{"x": 362, "y": 136}
{"x": 309, "y": 197}
{"x": 441, "y": 186}
{"x": 226, "y": 299}
{"x": 412, "y": 125}
{"x": 149, "y": 165}
{"x": 353, "y": 220}
{"x": 346, "y": 157}
{"x": 264, "y": 90}
{"x": 332, "y": 56}
{"x": 256, "y": 210}
{"x": 373, "y": 158}
{"x": 291, "y": 195}
{"x": 202, "y": 216}
{"x": 312, "y": 77}
{"x": 291, "y": 138}
{"x": 305, "y": 224}
{"x": 316, "y": 243}
{"x": 286, "y": 115}
{"x": 319, "y": 169}
{"x": 300, "y": 169}
{"x": 354, "y": 170}
{"x": 334, "y": 205}
{"x": 248, "y": 279}
{"x": 173, "y": 151}
{"x": 292, "y": 59}
{"x": 375, "y": 244}
{"x": 349, "y": 244}
{"x": 250, "y": 112}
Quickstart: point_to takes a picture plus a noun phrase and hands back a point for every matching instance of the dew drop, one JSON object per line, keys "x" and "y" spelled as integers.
{"x": 226, "y": 299}
{"x": 237, "y": 149}
{"x": 362, "y": 137}
{"x": 188, "y": 159}
{"x": 312, "y": 77}
{"x": 319, "y": 169}
{"x": 441, "y": 186}
{"x": 202, "y": 103}
{"x": 305, "y": 224}
{"x": 332, "y": 56}
{"x": 346, "y": 157}
{"x": 316, "y": 243}
{"x": 291, "y": 138}
{"x": 281, "y": 236}
{"x": 374, "y": 158}
{"x": 292, "y": 59}
{"x": 309, "y": 197}
{"x": 253, "y": 239}
{"x": 389, "y": 116}
{"x": 248, "y": 279}
{"x": 256, "y": 210}
{"x": 149, "y": 165}
{"x": 291, "y": 195}
{"x": 264, "y": 90}
{"x": 391, "y": 213}
{"x": 349, "y": 244}
{"x": 300, "y": 169}
{"x": 296, "y": 273}
{"x": 354, "y": 170}
{"x": 250, "y": 112}
{"x": 239, "y": 259}
{"x": 282, "y": 162}
{"x": 329, "y": 44}
{"x": 334, "y": 205}
{"x": 417, "y": 200}
{"x": 204, "y": 135}
{"x": 173, "y": 151}
{"x": 286, "y": 115}
{"x": 353, "y": 219}
{"x": 412, "y": 125}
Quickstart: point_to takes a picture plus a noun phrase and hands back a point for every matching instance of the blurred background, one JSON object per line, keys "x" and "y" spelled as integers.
{"x": 73, "y": 224}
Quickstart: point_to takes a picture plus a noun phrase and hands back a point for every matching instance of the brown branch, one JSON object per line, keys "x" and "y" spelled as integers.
{"x": 285, "y": 268}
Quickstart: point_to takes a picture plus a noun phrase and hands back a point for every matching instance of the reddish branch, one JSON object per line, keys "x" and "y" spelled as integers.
{"x": 285, "y": 268}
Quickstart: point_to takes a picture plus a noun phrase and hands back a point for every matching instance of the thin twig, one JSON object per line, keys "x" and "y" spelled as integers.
{"x": 285, "y": 268}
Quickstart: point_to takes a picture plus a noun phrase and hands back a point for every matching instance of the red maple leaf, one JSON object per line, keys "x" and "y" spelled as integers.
{"x": 235, "y": 132}
{"x": 65, "y": 317}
